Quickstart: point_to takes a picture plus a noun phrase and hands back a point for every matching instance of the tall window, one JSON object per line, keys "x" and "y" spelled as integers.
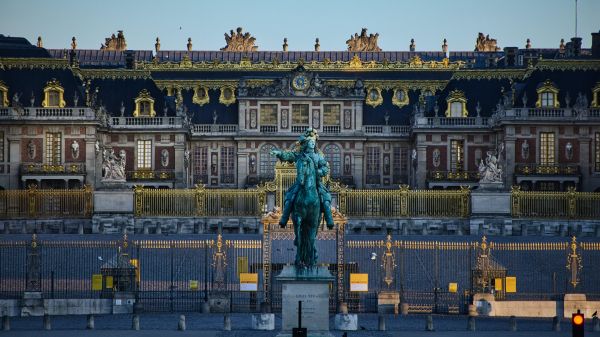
{"x": 457, "y": 154}
{"x": 53, "y": 98}
{"x": 1, "y": 143}
{"x": 144, "y": 108}
{"x": 267, "y": 161}
{"x": 268, "y": 114}
{"x": 334, "y": 157}
{"x": 201, "y": 164}
{"x": 399, "y": 162}
{"x": 373, "y": 161}
{"x": 53, "y": 148}
{"x": 300, "y": 114}
{"x": 227, "y": 165}
{"x": 331, "y": 114}
{"x": 547, "y": 148}
{"x": 597, "y": 145}
{"x": 456, "y": 109}
{"x": 547, "y": 100}
{"x": 144, "y": 154}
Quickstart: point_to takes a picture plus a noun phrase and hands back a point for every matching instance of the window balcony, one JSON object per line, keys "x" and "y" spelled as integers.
{"x": 52, "y": 169}
{"x": 387, "y": 130}
{"x": 150, "y": 175}
{"x": 451, "y": 122}
{"x": 214, "y": 129}
{"x": 445, "y": 179}
{"x": 146, "y": 122}
{"x": 538, "y": 169}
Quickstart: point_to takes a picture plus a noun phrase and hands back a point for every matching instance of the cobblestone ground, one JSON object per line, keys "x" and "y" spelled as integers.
{"x": 164, "y": 325}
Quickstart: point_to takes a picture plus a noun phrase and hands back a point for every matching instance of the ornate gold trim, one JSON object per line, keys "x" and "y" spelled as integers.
{"x": 200, "y": 100}
{"x": 34, "y": 63}
{"x": 113, "y": 74}
{"x": 496, "y": 74}
{"x": 326, "y": 65}
{"x": 596, "y": 96}
{"x": 224, "y": 100}
{"x": 4, "y": 90}
{"x": 374, "y": 102}
{"x": 53, "y": 85}
{"x": 144, "y": 96}
{"x": 547, "y": 86}
{"x": 191, "y": 84}
{"x": 398, "y": 102}
{"x": 572, "y": 65}
{"x": 456, "y": 96}
{"x": 423, "y": 85}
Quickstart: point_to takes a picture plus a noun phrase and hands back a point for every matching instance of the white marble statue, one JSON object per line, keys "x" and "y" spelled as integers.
{"x": 490, "y": 169}
{"x": 113, "y": 166}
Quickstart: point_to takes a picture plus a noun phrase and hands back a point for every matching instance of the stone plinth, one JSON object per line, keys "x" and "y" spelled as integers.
{"x": 263, "y": 322}
{"x": 346, "y": 322}
{"x": 387, "y": 302}
{"x": 311, "y": 286}
{"x": 490, "y": 202}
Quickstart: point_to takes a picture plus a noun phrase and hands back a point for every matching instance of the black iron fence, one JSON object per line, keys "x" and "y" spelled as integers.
{"x": 172, "y": 275}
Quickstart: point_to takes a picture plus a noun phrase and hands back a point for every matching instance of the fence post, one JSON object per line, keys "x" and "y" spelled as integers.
{"x": 572, "y": 197}
{"x": 200, "y": 194}
{"x": 404, "y": 190}
{"x": 465, "y": 194}
{"x": 138, "y": 199}
{"x": 515, "y": 195}
{"x": 88, "y": 200}
{"x": 31, "y": 196}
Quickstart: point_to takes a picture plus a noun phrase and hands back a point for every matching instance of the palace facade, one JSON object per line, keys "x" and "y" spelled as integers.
{"x": 385, "y": 118}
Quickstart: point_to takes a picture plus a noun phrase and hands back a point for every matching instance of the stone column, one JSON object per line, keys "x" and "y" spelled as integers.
{"x": 92, "y": 171}
{"x": 584, "y": 162}
{"x": 14, "y": 145}
{"x": 421, "y": 170}
{"x": 358, "y": 115}
{"x": 358, "y": 169}
{"x": 179, "y": 169}
{"x": 242, "y": 168}
{"x": 509, "y": 152}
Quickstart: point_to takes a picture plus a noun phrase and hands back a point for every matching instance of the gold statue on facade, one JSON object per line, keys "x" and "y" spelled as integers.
{"x": 484, "y": 43}
{"x": 238, "y": 41}
{"x": 363, "y": 42}
{"x": 115, "y": 42}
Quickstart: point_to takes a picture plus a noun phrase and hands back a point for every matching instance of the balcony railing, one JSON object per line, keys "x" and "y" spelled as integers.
{"x": 53, "y": 169}
{"x": 548, "y": 114}
{"x": 202, "y": 129}
{"x": 150, "y": 175}
{"x": 538, "y": 169}
{"x": 146, "y": 122}
{"x": 451, "y": 122}
{"x": 33, "y": 113}
{"x": 387, "y": 130}
{"x": 331, "y": 129}
{"x": 299, "y": 128}
{"x": 454, "y": 176}
{"x": 268, "y": 128}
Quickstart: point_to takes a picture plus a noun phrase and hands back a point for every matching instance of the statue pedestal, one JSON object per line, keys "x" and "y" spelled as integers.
{"x": 497, "y": 186}
{"x": 311, "y": 286}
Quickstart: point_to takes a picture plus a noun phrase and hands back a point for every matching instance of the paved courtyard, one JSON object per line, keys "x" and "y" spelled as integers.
{"x": 202, "y": 325}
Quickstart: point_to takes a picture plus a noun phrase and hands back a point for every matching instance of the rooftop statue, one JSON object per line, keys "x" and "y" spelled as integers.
{"x": 238, "y": 41}
{"x": 308, "y": 198}
{"x": 363, "y": 42}
{"x": 115, "y": 42}
{"x": 484, "y": 43}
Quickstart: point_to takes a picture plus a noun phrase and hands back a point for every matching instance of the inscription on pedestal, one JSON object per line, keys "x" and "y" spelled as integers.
{"x": 315, "y": 305}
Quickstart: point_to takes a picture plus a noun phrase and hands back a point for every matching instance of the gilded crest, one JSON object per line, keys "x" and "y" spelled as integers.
{"x": 239, "y": 41}
{"x": 363, "y": 42}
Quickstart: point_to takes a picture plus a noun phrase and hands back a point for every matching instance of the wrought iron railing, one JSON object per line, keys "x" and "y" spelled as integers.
{"x": 539, "y": 169}
{"x": 150, "y": 175}
{"x": 404, "y": 203}
{"x": 198, "y": 202}
{"x": 68, "y": 168}
{"x": 555, "y": 205}
{"x": 46, "y": 203}
{"x": 454, "y": 175}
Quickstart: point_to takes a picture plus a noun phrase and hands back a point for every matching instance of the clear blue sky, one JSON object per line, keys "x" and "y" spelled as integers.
{"x": 511, "y": 22}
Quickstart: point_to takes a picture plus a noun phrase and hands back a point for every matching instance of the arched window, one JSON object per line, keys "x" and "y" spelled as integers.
{"x": 144, "y": 105}
{"x": 333, "y": 156}
{"x": 547, "y": 95}
{"x": 267, "y": 161}
{"x": 53, "y": 95}
{"x": 457, "y": 104}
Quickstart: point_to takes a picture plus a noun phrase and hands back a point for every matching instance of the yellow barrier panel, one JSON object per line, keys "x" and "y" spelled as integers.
{"x": 97, "y": 282}
{"x": 511, "y": 284}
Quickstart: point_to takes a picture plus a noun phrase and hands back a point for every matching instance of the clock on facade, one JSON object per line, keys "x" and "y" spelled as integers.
{"x": 300, "y": 82}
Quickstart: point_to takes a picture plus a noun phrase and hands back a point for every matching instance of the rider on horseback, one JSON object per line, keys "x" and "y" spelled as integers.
{"x": 306, "y": 154}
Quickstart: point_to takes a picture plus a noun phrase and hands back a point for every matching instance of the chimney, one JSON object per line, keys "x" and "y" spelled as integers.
{"x": 576, "y": 46}
{"x": 510, "y": 56}
{"x": 596, "y": 45}
{"x": 129, "y": 59}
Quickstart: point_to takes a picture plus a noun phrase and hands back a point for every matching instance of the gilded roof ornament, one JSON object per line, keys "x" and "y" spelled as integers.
{"x": 238, "y": 41}
{"x": 73, "y": 43}
{"x": 285, "y": 44}
{"x": 189, "y": 44}
{"x": 40, "y": 44}
{"x": 115, "y": 42}
{"x": 363, "y": 42}
{"x": 484, "y": 43}
{"x": 157, "y": 45}
{"x": 317, "y": 45}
